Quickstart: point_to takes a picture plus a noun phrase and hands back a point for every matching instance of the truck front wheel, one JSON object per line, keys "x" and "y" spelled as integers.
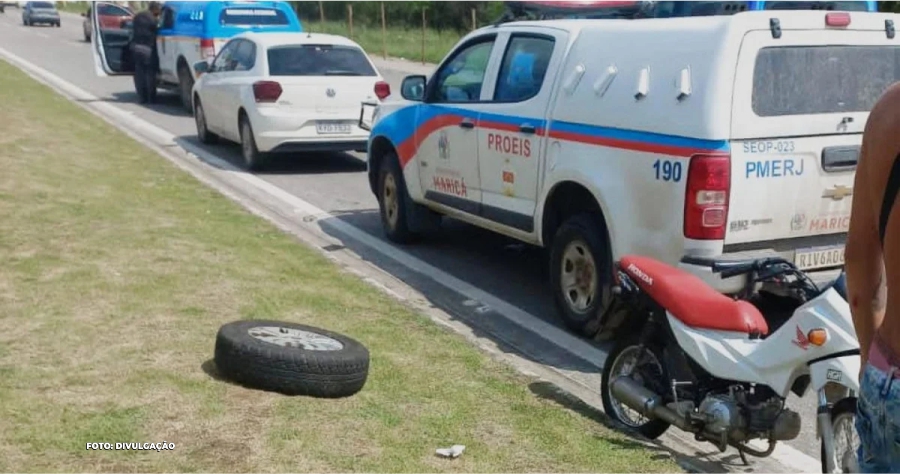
{"x": 393, "y": 201}
{"x": 579, "y": 272}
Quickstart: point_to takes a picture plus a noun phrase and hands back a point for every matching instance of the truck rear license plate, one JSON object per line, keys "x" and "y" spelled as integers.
{"x": 819, "y": 257}
{"x": 332, "y": 128}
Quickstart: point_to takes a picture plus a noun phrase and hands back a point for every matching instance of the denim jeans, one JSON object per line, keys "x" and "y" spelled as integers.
{"x": 878, "y": 414}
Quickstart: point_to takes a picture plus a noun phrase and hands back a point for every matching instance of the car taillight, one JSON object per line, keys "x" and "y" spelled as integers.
{"x": 266, "y": 91}
{"x": 706, "y": 198}
{"x": 207, "y": 49}
{"x": 838, "y": 19}
{"x": 382, "y": 90}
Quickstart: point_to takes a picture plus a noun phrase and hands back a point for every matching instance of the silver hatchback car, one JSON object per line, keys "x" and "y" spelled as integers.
{"x": 40, "y": 12}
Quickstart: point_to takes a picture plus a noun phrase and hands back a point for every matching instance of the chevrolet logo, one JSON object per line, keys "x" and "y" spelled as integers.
{"x": 838, "y": 193}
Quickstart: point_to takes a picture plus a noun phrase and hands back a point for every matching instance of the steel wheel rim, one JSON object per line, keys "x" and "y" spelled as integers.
{"x": 622, "y": 411}
{"x": 391, "y": 202}
{"x": 296, "y": 338}
{"x": 578, "y": 276}
{"x": 846, "y": 443}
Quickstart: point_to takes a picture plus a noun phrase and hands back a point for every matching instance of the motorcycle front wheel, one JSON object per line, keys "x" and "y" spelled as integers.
{"x": 846, "y": 439}
{"x": 644, "y": 365}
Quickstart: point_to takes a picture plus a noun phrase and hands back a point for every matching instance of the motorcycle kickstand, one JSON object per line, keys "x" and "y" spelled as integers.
{"x": 743, "y": 457}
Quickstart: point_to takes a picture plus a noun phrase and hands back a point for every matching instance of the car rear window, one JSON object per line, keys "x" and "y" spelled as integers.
{"x": 319, "y": 60}
{"x": 111, "y": 10}
{"x": 43, "y": 5}
{"x": 803, "y": 80}
{"x": 253, "y": 17}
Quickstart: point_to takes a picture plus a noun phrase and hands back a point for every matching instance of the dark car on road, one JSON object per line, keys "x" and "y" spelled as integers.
{"x": 40, "y": 12}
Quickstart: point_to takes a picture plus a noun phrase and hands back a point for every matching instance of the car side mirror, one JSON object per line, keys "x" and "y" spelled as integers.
{"x": 413, "y": 88}
{"x": 201, "y": 67}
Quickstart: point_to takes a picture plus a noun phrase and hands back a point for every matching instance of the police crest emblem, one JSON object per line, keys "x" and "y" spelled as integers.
{"x": 444, "y": 146}
{"x": 798, "y": 222}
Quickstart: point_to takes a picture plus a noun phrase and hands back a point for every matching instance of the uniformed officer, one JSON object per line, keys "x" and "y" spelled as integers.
{"x": 143, "y": 48}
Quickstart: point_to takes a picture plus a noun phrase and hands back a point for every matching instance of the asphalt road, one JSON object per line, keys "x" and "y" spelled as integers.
{"x": 335, "y": 183}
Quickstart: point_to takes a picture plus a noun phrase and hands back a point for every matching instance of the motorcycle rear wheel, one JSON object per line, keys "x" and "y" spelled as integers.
{"x": 650, "y": 368}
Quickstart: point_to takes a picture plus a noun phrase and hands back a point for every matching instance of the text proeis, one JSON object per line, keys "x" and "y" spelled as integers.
{"x": 508, "y": 145}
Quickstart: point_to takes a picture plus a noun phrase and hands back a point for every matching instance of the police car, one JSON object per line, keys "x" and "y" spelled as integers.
{"x": 190, "y": 32}
{"x": 724, "y": 137}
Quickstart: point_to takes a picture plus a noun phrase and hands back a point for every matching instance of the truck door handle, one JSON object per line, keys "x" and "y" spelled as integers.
{"x": 527, "y": 128}
{"x": 467, "y": 124}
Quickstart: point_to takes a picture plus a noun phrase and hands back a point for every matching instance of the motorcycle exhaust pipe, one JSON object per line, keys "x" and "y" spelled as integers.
{"x": 647, "y": 403}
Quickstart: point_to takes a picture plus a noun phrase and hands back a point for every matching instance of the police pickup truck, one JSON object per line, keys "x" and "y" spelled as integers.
{"x": 719, "y": 136}
{"x": 190, "y": 32}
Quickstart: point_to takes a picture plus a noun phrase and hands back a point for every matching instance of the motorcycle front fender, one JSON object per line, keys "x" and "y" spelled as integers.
{"x": 842, "y": 371}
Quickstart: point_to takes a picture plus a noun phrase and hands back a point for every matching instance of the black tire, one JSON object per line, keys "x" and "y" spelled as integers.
{"x": 58, "y": 25}
{"x": 393, "y": 200}
{"x": 253, "y": 160}
{"x": 651, "y": 429}
{"x": 843, "y": 407}
{"x": 584, "y": 231}
{"x": 290, "y": 370}
{"x": 186, "y": 86}
{"x": 87, "y": 38}
{"x": 203, "y": 133}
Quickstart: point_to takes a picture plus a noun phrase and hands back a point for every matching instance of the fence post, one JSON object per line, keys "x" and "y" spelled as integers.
{"x": 474, "y": 21}
{"x": 350, "y": 18}
{"x": 383, "y": 32}
{"x": 322, "y": 12}
{"x": 424, "y": 26}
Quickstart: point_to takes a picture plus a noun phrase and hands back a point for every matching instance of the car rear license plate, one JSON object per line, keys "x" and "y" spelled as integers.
{"x": 819, "y": 257}
{"x": 333, "y": 128}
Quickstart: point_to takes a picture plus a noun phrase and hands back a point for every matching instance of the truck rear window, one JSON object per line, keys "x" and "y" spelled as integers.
{"x": 253, "y": 17}
{"x": 804, "y": 80}
{"x": 319, "y": 60}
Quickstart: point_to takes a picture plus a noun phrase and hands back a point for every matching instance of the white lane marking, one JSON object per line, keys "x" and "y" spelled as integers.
{"x": 784, "y": 454}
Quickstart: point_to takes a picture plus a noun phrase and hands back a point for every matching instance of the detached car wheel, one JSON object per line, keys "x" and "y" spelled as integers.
{"x": 292, "y": 359}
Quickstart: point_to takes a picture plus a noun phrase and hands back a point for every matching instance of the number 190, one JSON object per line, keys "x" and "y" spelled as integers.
{"x": 667, "y": 170}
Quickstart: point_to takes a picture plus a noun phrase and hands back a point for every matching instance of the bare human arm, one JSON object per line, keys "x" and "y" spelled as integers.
{"x": 864, "y": 260}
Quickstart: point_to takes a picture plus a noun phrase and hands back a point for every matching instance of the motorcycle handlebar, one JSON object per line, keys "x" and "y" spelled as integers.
{"x": 735, "y": 268}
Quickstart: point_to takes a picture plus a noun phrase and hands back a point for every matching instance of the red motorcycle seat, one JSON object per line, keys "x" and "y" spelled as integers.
{"x": 691, "y": 300}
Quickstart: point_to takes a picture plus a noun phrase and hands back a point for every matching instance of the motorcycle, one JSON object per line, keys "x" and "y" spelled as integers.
{"x": 716, "y": 367}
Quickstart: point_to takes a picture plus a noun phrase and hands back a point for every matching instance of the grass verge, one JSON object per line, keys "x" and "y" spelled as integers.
{"x": 119, "y": 269}
{"x": 401, "y": 43}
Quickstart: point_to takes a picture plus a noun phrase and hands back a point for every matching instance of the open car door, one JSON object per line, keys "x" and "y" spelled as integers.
{"x": 111, "y": 48}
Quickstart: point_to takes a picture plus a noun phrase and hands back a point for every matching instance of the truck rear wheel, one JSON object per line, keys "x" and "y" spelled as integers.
{"x": 579, "y": 269}
{"x": 186, "y": 86}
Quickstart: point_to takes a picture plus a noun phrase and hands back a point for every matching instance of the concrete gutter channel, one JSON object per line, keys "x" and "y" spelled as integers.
{"x": 568, "y": 373}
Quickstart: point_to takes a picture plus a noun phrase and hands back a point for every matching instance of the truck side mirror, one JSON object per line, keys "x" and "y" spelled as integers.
{"x": 413, "y": 88}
